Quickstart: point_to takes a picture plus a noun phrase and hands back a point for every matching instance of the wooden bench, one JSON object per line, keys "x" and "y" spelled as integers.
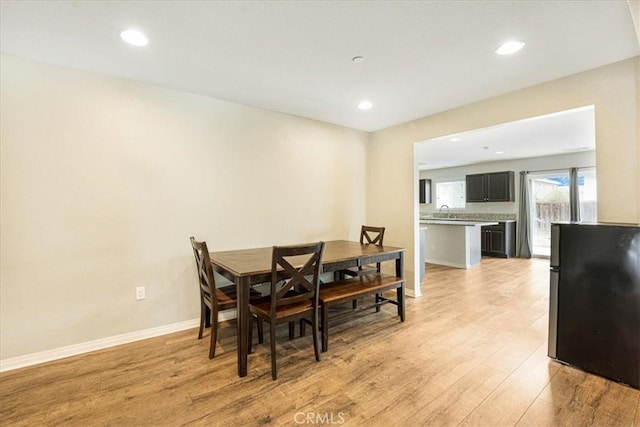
{"x": 349, "y": 289}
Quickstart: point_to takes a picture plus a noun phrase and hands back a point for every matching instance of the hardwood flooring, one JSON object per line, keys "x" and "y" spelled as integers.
{"x": 472, "y": 352}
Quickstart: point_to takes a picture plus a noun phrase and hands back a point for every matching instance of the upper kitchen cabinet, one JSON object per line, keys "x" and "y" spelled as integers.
{"x": 491, "y": 187}
{"x": 425, "y": 191}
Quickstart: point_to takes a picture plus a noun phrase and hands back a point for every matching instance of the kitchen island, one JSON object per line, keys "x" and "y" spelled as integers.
{"x": 453, "y": 242}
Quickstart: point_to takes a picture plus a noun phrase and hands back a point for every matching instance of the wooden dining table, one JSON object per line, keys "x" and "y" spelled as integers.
{"x": 247, "y": 267}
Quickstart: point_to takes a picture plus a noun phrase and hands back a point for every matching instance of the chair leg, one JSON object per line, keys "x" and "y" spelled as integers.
{"x": 292, "y": 330}
{"x": 378, "y": 299}
{"x": 207, "y": 322}
{"x": 325, "y": 326}
{"x": 250, "y": 349}
{"x": 260, "y": 331}
{"x": 214, "y": 334}
{"x": 316, "y": 346}
{"x": 303, "y": 327}
{"x": 272, "y": 336}
{"x": 203, "y": 313}
{"x": 354, "y": 304}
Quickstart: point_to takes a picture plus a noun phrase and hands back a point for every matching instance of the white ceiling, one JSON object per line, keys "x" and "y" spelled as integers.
{"x": 422, "y": 57}
{"x": 566, "y": 132}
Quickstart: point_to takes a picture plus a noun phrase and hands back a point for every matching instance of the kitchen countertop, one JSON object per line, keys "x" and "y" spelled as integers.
{"x": 465, "y": 223}
{"x": 470, "y": 216}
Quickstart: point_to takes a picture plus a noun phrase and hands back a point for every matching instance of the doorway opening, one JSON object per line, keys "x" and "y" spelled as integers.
{"x": 553, "y": 143}
{"x": 550, "y": 202}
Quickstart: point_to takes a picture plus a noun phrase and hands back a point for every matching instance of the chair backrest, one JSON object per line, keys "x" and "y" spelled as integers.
{"x": 205, "y": 271}
{"x": 371, "y": 235}
{"x": 291, "y": 284}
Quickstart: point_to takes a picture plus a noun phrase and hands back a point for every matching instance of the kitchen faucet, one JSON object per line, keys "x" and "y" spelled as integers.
{"x": 445, "y": 206}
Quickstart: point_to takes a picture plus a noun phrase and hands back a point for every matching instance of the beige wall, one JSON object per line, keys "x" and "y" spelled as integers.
{"x": 613, "y": 90}
{"x": 103, "y": 180}
{"x": 98, "y": 176}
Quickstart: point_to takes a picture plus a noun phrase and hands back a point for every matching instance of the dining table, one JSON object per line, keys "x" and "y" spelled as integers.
{"x": 248, "y": 267}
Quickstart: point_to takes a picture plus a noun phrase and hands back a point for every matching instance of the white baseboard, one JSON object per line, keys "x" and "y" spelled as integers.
{"x": 447, "y": 263}
{"x": 410, "y": 292}
{"x": 102, "y": 343}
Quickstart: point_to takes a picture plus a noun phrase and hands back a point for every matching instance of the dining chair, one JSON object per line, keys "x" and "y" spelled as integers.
{"x": 214, "y": 299}
{"x": 368, "y": 236}
{"x": 295, "y": 280}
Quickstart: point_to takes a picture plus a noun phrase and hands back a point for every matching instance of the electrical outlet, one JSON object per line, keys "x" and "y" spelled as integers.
{"x": 140, "y": 293}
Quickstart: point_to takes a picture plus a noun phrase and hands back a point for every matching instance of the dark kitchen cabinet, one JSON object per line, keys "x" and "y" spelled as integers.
{"x": 425, "y": 191}
{"x": 491, "y": 187}
{"x": 476, "y": 188}
{"x": 501, "y": 187}
{"x": 499, "y": 240}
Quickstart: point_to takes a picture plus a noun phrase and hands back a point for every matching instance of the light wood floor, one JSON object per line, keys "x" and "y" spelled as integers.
{"x": 472, "y": 352}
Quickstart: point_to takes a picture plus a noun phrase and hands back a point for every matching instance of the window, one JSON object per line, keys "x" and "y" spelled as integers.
{"x": 451, "y": 193}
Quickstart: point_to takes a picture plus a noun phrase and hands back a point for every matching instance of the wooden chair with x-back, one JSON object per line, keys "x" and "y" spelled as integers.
{"x": 368, "y": 236}
{"x": 295, "y": 279}
{"x": 214, "y": 299}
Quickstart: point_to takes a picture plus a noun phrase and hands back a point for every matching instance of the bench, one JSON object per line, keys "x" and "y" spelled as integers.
{"x": 349, "y": 289}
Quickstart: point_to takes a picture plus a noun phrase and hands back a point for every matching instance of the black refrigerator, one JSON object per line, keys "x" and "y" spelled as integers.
{"x": 594, "y": 304}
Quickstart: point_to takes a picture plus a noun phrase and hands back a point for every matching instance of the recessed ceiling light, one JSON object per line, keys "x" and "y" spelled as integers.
{"x": 365, "y": 105}
{"x": 454, "y": 139}
{"x": 134, "y": 37}
{"x": 510, "y": 47}
{"x": 358, "y": 59}
{"x": 499, "y": 152}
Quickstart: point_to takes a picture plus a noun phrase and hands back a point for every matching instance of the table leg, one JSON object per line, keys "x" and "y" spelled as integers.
{"x": 243, "y": 314}
{"x": 400, "y": 292}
